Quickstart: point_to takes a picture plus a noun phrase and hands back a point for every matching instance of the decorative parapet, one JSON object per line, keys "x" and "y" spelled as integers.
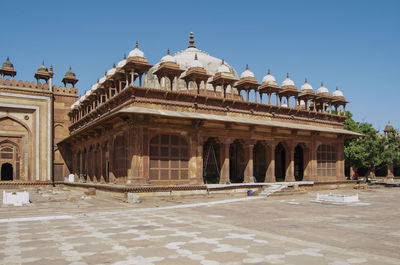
{"x": 34, "y": 85}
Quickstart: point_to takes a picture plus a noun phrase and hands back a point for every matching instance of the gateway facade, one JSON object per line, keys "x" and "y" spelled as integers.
{"x": 33, "y": 115}
{"x": 189, "y": 120}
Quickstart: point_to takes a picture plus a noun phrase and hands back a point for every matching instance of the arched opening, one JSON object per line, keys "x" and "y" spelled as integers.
{"x": 211, "y": 162}
{"x": 396, "y": 171}
{"x": 236, "y": 162}
{"x": 97, "y": 166}
{"x": 106, "y": 163}
{"x": 7, "y": 171}
{"x": 90, "y": 163}
{"x": 260, "y": 161}
{"x": 84, "y": 165}
{"x": 298, "y": 163}
{"x": 280, "y": 163}
{"x": 381, "y": 170}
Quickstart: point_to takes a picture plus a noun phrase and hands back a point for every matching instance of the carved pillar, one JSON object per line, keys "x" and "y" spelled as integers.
{"x": 249, "y": 170}
{"x": 111, "y": 153}
{"x": 314, "y": 172}
{"x": 138, "y": 156}
{"x": 307, "y": 163}
{"x": 130, "y": 152}
{"x": 196, "y": 174}
{"x": 225, "y": 165}
{"x": 270, "y": 175}
{"x": 290, "y": 163}
{"x": 340, "y": 168}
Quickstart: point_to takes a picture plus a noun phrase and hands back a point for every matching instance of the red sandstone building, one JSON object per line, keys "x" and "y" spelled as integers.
{"x": 189, "y": 119}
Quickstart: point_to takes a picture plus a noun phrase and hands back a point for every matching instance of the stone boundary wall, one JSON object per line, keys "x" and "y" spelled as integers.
{"x": 39, "y": 86}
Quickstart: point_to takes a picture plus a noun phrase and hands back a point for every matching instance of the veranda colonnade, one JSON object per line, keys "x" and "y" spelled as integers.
{"x": 124, "y": 156}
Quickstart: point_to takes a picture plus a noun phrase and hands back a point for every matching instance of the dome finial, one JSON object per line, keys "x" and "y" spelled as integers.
{"x": 287, "y": 75}
{"x": 113, "y": 65}
{"x": 124, "y": 56}
{"x": 269, "y": 71}
{"x": 42, "y": 62}
{"x": 168, "y": 51}
{"x": 137, "y": 45}
{"x": 191, "y": 41}
{"x": 247, "y": 67}
{"x": 70, "y": 68}
{"x": 322, "y": 83}
{"x": 305, "y": 80}
{"x": 223, "y": 61}
{"x": 337, "y": 88}
{"x": 8, "y": 59}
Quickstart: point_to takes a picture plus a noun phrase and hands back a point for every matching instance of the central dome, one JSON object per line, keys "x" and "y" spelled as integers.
{"x": 185, "y": 59}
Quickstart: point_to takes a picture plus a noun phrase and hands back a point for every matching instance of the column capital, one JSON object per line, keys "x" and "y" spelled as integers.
{"x": 225, "y": 140}
{"x": 250, "y": 142}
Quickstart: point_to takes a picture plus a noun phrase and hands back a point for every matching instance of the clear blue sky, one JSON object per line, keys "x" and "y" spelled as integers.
{"x": 351, "y": 44}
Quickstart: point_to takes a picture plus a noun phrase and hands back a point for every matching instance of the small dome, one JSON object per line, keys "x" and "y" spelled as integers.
{"x": 269, "y": 79}
{"x": 337, "y": 93}
{"x": 94, "y": 87}
{"x": 70, "y": 73}
{"x": 7, "y": 63}
{"x": 168, "y": 58}
{"x": 42, "y": 68}
{"x": 223, "y": 68}
{"x": 111, "y": 71}
{"x": 306, "y": 87}
{"x": 196, "y": 62}
{"x": 247, "y": 72}
{"x": 388, "y": 127}
{"x": 322, "y": 89}
{"x": 102, "y": 80}
{"x": 288, "y": 81}
{"x": 136, "y": 52}
{"x": 122, "y": 63}
{"x": 302, "y": 103}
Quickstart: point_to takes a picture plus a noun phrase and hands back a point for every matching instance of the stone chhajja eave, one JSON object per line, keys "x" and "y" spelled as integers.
{"x": 239, "y": 120}
{"x": 190, "y": 100}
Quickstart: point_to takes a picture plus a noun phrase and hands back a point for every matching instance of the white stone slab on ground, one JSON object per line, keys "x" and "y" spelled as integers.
{"x": 337, "y": 198}
{"x": 16, "y": 198}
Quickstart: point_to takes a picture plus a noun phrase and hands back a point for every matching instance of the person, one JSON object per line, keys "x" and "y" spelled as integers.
{"x": 355, "y": 176}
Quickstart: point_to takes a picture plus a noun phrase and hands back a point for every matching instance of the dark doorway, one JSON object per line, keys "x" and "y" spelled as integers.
{"x": 260, "y": 162}
{"x": 236, "y": 162}
{"x": 381, "y": 171}
{"x": 211, "y": 162}
{"x": 280, "y": 163}
{"x": 396, "y": 171}
{"x": 298, "y": 163}
{"x": 7, "y": 171}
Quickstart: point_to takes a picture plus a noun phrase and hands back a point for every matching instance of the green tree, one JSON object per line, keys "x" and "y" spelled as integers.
{"x": 391, "y": 151}
{"x": 371, "y": 150}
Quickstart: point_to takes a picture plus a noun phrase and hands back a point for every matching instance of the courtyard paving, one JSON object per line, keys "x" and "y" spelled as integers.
{"x": 62, "y": 227}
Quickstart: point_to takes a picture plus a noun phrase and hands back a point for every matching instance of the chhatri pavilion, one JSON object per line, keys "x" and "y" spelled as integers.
{"x": 190, "y": 119}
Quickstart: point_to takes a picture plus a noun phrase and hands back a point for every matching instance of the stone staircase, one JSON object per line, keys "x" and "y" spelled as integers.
{"x": 280, "y": 189}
